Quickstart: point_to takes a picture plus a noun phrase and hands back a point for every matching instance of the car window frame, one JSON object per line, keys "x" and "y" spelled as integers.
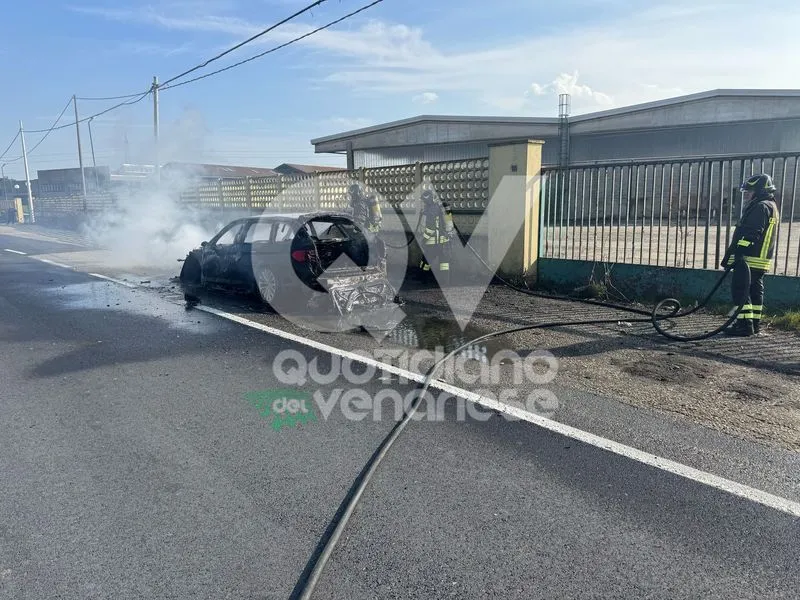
{"x": 251, "y": 224}
{"x": 214, "y": 242}
{"x": 292, "y": 224}
{"x": 333, "y": 220}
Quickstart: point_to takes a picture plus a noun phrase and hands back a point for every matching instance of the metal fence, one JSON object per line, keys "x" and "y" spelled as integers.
{"x": 678, "y": 213}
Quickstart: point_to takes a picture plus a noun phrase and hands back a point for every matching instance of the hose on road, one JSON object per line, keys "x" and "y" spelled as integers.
{"x": 313, "y": 571}
{"x": 674, "y": 305}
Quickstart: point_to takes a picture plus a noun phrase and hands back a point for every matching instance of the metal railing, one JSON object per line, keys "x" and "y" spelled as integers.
{"x": 676, "y": 212}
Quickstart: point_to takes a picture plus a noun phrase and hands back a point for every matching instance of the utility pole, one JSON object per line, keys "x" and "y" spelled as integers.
{"x": 155, "y": 129}
{"x": 80, "y": 152}
{"x": 94, "y": 162}
{"x": 27, "y": 173}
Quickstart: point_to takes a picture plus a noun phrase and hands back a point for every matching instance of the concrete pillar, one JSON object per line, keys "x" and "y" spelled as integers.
{"x": 513, "y": 224}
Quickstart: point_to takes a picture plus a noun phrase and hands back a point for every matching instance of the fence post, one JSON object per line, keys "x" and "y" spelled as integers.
{"x": 315, "y": 181}
{"x": 248, "y": 194}
{"x": 221, "y": 194}
{"x": 514, "y": 207}
{"x": 279, "y": 197}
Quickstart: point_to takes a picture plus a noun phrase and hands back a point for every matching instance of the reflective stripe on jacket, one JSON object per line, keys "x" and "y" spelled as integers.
{"x": 754, "y": 237}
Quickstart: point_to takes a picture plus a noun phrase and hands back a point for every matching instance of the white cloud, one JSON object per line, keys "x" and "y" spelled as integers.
{"x": 670, "y": 44}
{"x": 425, "y": 98}
{"x": 565, "y": 83}
{"x": 675, "y": 44}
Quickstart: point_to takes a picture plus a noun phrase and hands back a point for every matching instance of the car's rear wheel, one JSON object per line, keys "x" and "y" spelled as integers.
{"x": 268, "y": 286}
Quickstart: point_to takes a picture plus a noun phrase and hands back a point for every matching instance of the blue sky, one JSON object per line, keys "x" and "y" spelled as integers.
{"x": 398, "y": 59}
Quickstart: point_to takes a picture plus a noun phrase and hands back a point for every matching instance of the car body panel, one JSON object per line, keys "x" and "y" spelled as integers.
{"x": 335, "y": 251}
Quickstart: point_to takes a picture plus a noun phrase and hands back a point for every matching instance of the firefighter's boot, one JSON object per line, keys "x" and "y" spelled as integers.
{"x": 742, "y": 328}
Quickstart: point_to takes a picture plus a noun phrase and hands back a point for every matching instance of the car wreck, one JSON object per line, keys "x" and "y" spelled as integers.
{"x": 292, "y": 262}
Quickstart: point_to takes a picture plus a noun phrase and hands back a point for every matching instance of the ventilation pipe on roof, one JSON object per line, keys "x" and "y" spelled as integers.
{"x": 563, "y": 129}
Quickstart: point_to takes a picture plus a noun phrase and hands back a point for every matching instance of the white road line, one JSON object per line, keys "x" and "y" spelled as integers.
{"x": 52, "y": 262}
{"x": 15, "y": 252}
{"x": 119, "y": 281}
{"x": 738, "y": 489}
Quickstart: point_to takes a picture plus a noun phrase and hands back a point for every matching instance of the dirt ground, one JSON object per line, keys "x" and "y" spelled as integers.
{"x": 738, "y": 400}
{"x": 710, "y": 383}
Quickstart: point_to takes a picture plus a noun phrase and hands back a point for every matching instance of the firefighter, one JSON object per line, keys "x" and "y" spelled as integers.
{"x": 438, "y": 232}
{"x": 753, "y": 243}
{"x": 365, "y": 208}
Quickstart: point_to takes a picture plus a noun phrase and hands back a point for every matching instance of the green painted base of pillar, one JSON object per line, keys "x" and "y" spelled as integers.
{"x": 649, "y": 284}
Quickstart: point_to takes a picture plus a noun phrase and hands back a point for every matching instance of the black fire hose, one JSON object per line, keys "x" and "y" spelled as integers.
{"x": 742, "y": 273}
{"x": 313, "y": 570}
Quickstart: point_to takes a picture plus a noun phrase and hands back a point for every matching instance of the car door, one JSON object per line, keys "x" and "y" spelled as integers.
{"x": 278, "y": 254}
{"x": 256, "y": 247}
{"x": 219, "y": 254}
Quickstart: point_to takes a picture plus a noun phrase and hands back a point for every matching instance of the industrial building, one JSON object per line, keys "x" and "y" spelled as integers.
{"x": 717, "y": 122}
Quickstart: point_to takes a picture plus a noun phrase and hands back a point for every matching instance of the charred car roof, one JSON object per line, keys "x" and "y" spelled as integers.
{"x": 299, "y": 216}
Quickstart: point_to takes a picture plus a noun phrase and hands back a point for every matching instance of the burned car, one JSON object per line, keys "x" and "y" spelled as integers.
{"x": 290, "y": 260}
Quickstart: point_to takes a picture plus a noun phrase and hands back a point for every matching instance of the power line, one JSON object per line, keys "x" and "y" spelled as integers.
{"x": 56, "y": 128}
{"x": 83, "y": 120}
{"x": 295, "y": 40}
{"x": 44, "y": 137}
{"x": 9, "y": 147}
{"x": 132, "y": 99}
{"x": 125, "y": 97}
{"x": 247, "y": 41}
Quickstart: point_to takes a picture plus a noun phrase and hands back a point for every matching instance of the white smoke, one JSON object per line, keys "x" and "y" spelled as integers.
{"x": 149, "y": 228}
{"x": 150, "y": 225}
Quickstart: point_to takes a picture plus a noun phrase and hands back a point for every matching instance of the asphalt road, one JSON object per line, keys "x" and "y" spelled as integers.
{"x": 134, "y": 465}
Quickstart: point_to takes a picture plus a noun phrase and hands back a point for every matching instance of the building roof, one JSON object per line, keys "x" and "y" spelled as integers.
{"x": 208, "y": 170}
{"x": 707, "y": 95}
{"x": 308, "y": 168}
{"x": 426, "y": 128}
{"x": 435, "y": 119}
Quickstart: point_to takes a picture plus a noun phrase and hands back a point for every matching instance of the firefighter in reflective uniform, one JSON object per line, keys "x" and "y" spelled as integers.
{"x": 367, "y": 215}
{"x": 365, "y": 208}
{"x": 438, "y": 232}
{"x": 753, "y": 243}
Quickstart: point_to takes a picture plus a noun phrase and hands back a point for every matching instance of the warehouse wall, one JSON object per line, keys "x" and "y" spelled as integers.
{"x": 386, "y": 157}
{"x": 731, "y": 138}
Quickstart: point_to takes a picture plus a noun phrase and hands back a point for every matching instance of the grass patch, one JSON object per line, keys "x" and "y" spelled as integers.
{"x": 788, "y": 321}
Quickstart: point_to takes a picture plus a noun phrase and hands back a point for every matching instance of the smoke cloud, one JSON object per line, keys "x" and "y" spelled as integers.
{"x": 151, "y": 225}
{"x": 150, "y": 228}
